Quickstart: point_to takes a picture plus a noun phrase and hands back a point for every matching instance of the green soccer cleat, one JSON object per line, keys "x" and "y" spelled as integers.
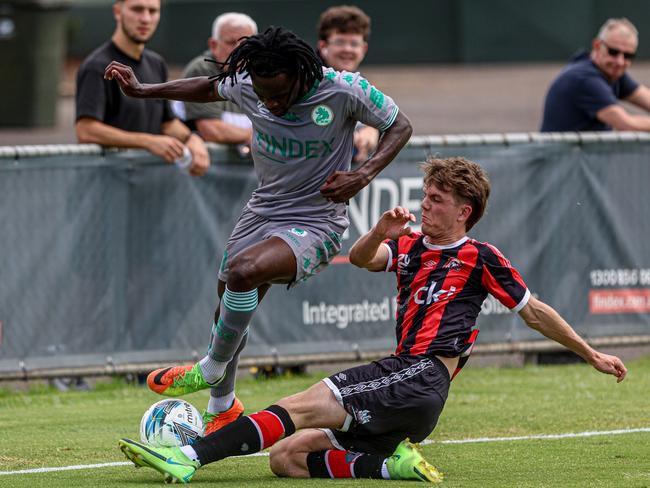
{"x": 178, "y": 381}
{"x": 171, "y": 462}
{"x": 407, "y": 463}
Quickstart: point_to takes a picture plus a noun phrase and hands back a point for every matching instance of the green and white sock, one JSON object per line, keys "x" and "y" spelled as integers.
{"x": 237, "y": 309}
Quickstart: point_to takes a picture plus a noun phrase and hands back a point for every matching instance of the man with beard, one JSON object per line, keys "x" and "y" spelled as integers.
{"x": 105, "y": 116}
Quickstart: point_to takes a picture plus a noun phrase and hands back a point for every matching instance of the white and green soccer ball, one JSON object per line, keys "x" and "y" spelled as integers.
{"x": 171, "y": 423}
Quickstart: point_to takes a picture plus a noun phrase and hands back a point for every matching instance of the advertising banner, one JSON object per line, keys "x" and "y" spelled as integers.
{"x": 113, "y": 257}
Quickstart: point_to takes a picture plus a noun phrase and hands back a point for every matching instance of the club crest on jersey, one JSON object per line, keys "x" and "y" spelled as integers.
{"x": 453, "y": 264}
{"x": 322, "y": 115}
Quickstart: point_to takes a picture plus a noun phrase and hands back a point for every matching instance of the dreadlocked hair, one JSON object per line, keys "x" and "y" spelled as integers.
{"x": 276, "y": 50}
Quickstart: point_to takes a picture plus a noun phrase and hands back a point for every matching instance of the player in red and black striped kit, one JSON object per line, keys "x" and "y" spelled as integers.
{"x": 440, "y": 291}
{"x": 355, "y": 419}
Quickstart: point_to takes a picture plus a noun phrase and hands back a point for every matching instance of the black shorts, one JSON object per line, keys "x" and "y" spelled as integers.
{"x": 387, "y": 401}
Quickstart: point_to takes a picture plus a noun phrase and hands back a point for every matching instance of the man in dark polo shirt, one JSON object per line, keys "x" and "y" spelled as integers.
{"x": 105, "y": 116}
{"x": 585, "y": 95}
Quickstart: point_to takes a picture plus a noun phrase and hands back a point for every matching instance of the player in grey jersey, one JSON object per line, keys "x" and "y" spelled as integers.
{"x": 303, "y": 118}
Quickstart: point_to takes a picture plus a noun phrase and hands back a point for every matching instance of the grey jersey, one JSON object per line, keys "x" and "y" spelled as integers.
{"x": 294, "y": 154}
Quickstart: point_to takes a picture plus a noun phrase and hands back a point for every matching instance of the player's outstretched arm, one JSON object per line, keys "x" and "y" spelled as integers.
{"x": 368, "y": 252}
{"x": 343, "y": 185}
{"x": 543, "y": 318}
{"x": 198, "y": 89}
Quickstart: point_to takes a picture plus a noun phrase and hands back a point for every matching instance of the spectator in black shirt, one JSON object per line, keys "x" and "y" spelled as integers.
{"x": 105, "y": 116}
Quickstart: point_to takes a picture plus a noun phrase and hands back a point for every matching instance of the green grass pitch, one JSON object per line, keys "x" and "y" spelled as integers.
{"x": 45, "y": 428}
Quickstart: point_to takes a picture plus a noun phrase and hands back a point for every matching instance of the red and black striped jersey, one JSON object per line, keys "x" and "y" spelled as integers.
{"x": 440, "y": 290}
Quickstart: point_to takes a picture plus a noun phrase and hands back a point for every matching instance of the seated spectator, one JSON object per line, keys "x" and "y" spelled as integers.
{"x": 343, "y": 33}
{"x": 585, "y": 95}
{"x": 221, "y": 122}
{"x": 105, "y": 116}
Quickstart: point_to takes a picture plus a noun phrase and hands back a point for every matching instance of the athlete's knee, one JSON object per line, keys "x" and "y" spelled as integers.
{"x": 278, "y": 460}
{"x": 287, "y": 459}
{"x": 244, "y": 272}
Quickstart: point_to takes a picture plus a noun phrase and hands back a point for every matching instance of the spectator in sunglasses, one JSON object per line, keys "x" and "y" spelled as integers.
{"x": 585, "y": 96}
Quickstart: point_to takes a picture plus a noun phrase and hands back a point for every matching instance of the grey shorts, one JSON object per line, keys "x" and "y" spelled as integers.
{"x": 313, "y": 243}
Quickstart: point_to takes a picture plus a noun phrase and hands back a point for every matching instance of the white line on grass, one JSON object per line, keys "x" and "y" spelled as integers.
{"x": 65, "y": 468}
{"x": 539, "y": 436}
{"x": 424, "y": 442}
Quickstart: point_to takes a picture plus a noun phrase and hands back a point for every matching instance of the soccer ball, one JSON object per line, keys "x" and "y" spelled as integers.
{"x": 171, "y": 423}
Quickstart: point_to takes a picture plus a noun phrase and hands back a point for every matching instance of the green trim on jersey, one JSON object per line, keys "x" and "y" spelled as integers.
{"x": 393, "y": 116}
{"x": 309, "y": 94}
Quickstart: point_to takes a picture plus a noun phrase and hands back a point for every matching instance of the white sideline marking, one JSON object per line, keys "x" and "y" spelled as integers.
{"x": 538, "y": 436}
{"x": 424, "y": 443}
{"x": 65, "y": 468}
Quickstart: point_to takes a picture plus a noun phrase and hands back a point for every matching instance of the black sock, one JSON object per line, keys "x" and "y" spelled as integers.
{"x": 246, "y": 435}
{"x": 368, "y": 466}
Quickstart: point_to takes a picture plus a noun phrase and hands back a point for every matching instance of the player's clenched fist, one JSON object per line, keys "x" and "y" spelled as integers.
{"x": 394, "y": 223}
{"x": 125, "y": 77}
{"x": 340, "y": 186}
